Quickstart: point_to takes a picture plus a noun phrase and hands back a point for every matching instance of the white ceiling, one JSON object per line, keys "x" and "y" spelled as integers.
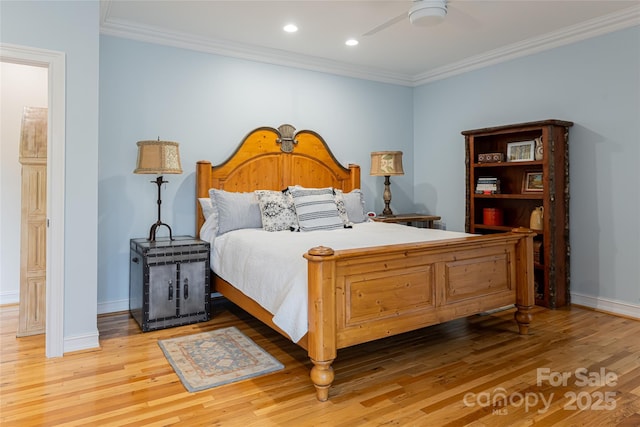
{"x": 475, "y": 33}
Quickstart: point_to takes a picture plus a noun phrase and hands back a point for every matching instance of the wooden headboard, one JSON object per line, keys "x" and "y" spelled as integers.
{"x": 272, "y": 159}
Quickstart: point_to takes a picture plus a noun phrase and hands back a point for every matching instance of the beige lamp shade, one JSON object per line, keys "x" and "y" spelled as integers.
{"x": 158, "y": 157}
{"x": 386, "y": 163}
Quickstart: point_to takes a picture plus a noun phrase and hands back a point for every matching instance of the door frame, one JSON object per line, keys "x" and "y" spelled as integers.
{"x": 55, "y": 62}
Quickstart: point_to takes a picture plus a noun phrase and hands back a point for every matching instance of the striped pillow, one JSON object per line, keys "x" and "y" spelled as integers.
{"x": 316, "y": 208}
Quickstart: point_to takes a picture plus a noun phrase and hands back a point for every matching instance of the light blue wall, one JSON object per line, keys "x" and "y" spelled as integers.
{"x": 73, "y": 28}
{"x": 595, "y": 84}
{"x": 208, "y": 104}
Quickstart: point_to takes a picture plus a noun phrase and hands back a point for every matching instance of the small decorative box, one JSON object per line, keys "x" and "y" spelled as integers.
{"x": 492, "y": 216}
{"x": 490, "y": 157}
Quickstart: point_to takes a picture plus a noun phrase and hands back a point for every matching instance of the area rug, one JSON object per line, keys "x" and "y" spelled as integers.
{"x": 214, "y": 358}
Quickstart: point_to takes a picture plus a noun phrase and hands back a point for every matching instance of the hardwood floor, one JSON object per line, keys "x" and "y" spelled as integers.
{"x": 453, "y": 374}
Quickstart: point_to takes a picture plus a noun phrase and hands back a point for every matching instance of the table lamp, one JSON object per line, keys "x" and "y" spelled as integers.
{"x": 386, "y": 163}
{"x": 158, "y": 157}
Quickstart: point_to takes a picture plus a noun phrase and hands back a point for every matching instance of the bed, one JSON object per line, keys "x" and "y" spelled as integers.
{"x": 357, "y": 295}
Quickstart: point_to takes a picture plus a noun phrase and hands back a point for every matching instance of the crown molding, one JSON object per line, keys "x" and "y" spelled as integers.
{"x": 595, "y": 27}
{"x": 134, "y": 31}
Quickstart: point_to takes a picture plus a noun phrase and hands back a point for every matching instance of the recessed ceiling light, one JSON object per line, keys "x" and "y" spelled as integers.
{"x": 290, "y": 28}
{"x": 351, "y": 42}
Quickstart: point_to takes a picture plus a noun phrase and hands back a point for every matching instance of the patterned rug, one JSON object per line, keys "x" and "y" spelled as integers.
{"x": 214, "y": 358}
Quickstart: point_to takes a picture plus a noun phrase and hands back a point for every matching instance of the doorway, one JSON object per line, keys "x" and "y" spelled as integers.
{"x": 54, "y": 63}
{"x": 23, "y": 132}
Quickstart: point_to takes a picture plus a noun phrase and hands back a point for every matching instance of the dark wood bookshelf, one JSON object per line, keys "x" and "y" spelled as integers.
{"x": 515, "y": 203}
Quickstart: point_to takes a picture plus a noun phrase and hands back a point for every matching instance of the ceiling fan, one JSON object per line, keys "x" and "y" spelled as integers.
{"x": 422, "y": 12}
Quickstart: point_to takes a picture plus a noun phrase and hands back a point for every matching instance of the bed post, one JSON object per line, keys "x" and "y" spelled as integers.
{"x": 203, "y": 183}
{"x": 322, "y": 322}
{"x": 354, "y": 176}
{"x": 525, "y": 298}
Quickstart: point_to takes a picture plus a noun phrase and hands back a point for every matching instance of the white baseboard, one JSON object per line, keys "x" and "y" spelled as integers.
{"x": 11, "y": 297}
{"x": 113, "y": 306}
{"x": 81, "y": 342}
{"x": 604, "y": 304}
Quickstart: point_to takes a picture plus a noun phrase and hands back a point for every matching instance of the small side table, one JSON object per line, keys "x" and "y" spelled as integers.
{"x": 169, "y": 282}
{"x": 421, "y": 220}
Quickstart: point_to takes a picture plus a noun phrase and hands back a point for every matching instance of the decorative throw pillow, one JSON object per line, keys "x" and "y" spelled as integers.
{"x": 235, "y": 210}
{"x": 354, "y": 205}
{"x": 316, "y": 208}
{"x": 277, "y": 210}
{"x": 342, "y": 209}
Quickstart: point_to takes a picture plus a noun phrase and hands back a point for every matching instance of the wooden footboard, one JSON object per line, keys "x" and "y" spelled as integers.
{"x": 357, "y": 296}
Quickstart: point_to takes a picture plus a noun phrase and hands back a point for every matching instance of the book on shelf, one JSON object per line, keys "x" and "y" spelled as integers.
{"x": 487, "y": 185}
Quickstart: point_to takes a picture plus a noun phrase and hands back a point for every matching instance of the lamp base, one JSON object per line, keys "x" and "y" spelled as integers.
{"x": 154, "y": 227}
{"x": 152, "y": 232}
{"x": 386, "y": 195}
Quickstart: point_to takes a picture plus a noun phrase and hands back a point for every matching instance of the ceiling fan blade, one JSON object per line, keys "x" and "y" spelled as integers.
{"x": 386, "y": 24}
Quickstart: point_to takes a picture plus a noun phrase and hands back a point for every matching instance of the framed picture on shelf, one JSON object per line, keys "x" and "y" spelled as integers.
{"x": 532, "y": 182}
{"x": 522, "y": 151}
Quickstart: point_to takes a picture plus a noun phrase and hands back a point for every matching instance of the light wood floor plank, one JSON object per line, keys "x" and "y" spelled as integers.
{"x": 433, "y": 377}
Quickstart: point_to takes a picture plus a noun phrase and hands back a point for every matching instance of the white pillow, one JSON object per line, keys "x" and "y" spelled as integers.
{"x": 210, "y": 212}
{"x": 316, "y": 208}
{"x": 207, "y": 206}
{"x": 277, "y": 210}
{"x": 209, "y": 229}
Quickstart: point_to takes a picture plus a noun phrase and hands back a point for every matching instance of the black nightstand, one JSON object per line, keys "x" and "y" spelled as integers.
{"x": 169, "y": 282}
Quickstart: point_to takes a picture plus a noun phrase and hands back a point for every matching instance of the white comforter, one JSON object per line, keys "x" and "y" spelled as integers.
{"x": 269, "y": 266}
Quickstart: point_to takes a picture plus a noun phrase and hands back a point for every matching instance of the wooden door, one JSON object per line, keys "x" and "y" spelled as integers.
{"x": 33, "y": 227}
